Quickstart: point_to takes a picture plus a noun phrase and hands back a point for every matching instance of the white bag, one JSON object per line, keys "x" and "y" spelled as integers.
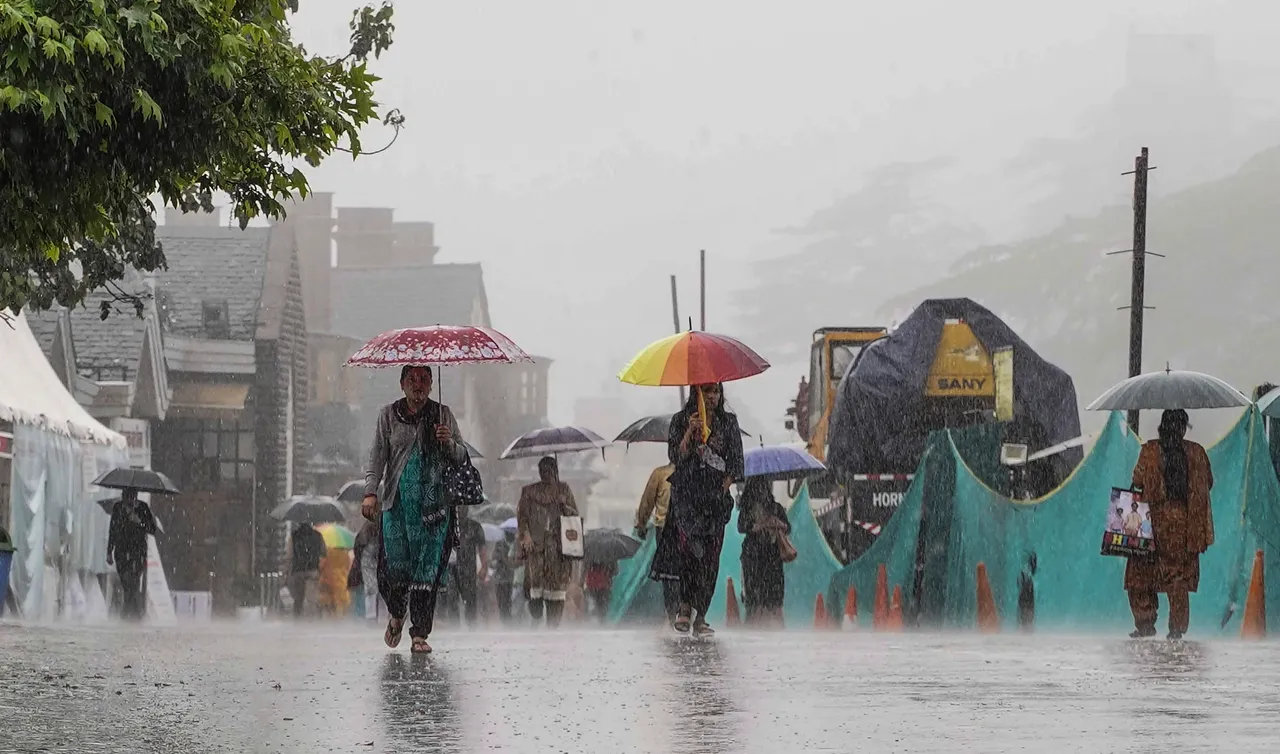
{"x": 571, "y": 536}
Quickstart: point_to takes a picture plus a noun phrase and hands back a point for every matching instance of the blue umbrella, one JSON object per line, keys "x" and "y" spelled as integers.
{"x": 777, "y": 462}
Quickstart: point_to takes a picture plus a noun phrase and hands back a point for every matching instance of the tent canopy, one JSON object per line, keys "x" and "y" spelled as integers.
{"x": 31, "y": 393}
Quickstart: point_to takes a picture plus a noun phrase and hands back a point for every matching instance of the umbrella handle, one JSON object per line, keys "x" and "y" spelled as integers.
{"x": 702, "y": 414}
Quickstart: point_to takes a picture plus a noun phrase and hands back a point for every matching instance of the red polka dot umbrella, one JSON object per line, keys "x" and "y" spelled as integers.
{"x": 438, "y": 345}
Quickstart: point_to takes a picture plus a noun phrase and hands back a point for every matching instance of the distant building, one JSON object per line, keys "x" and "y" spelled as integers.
{"x": 370, "y": 274}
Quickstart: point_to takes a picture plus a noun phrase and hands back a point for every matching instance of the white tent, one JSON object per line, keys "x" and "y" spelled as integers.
{"x": 58, "y": 449}
{"x": 31, "y": 393}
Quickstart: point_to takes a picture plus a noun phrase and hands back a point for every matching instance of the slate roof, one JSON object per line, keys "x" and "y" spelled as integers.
{"x": 367, "y": 301}
{"x": 113, "y": 342}
{"x": 44, "y": 325}
{"x": 212, "y": 264}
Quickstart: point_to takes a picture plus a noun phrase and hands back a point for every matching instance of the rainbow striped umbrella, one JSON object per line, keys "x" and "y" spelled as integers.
{"x": 337, "y": 536}
{"x": 693, "y": 358}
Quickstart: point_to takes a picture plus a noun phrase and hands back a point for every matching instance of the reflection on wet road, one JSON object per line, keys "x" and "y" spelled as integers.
{"x": 286, "y": 688}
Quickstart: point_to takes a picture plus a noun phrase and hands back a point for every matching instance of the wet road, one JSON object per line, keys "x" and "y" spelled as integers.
{"x": 285, "y": 688}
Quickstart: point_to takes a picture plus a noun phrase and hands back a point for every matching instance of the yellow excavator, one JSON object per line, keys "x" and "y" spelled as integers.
{"x": 961, "y": 369}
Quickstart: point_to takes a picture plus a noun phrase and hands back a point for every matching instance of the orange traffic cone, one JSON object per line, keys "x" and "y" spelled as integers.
{"x": 895, "y": 621}
{"x": 820, "y": 617}
{"x": 732, "y": 617}
{"x": 880, "y": 612}
{"x": 851, "y": 608}
{"x": 988, "y": 618}
{"x": 1253, "y": 625}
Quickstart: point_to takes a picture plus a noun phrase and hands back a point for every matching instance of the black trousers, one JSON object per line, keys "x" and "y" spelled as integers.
{"x": 418, "y": 602}
{"x": 600, "y": 600}
{"x": 133, "y": 580}
{"x": 701, "y": 569}
{"x": 467, "y": 598}
{"x": 503, "y": 593}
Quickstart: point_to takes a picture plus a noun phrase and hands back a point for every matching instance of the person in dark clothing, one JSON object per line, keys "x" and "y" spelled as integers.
{"x": 504, "y": 575}
{"x": 466, "y": 594}
{"x": 707, "y": 459}
{"x": 764, "y": 522}
{"x": 304, "y": 566}
{"x": 131, "y": 523}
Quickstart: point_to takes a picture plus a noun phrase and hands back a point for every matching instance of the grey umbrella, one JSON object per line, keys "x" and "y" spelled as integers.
{"x": 549, "y": 442}
{"x": 1170, "y": 389}
{"x": 142, "y": 480}
{"x": 310, "y": 509}
{"x": 1268, "y": 405}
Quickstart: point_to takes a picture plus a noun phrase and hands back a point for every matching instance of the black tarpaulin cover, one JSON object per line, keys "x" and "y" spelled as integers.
{"x": 878, "y": 425}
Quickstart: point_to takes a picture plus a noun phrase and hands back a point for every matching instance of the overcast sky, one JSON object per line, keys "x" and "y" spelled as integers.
{"x": 584, "y": 151}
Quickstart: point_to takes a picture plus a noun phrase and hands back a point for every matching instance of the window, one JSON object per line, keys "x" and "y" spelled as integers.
{"x": 216, "y": 322}
{"x": 104, "y": 373}
{"x": 213, "y": 454}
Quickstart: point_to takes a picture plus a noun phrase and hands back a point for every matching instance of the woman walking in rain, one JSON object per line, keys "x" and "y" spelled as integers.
{"x": 764, "y": 522}
{"x": 546, "y": 570}
{"x": 1175, "y": 479}
{"x": 414, "y": 440}
{"x": 707, "y": 461}
{"x": 131, "y": 523}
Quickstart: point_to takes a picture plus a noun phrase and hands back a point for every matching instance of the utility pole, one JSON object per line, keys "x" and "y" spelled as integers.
{"x": 675, "y": 321}
{"x": 1137, "y": 298}
{"x": 702, "y": 271}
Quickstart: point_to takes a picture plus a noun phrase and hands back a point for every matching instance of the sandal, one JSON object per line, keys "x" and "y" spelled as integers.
{"x": 394, "y": 629}
{"x": 420, "y": 646}
{"x": 683, "y": 619}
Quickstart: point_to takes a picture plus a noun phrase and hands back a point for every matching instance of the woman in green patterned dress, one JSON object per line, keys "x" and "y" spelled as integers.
{"x": 414, "y": 440}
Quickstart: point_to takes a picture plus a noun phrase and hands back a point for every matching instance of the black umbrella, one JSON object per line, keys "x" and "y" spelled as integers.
{"x": 608, "y": 546}
{"x": 310, "y": 509}
{"x": 352, "y": 492}
{"x": 142, "y": 480}
{"x": 650, "y": 429}
{"x": 109, "y": 506}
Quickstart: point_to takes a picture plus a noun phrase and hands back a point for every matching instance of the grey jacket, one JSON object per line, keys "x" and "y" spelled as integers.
{"x": 393, "y": 441}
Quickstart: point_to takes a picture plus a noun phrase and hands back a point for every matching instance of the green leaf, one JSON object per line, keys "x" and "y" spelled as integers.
{"x": 47, "y": 27}
{"x": 95, "y": 42}
{"x": 143, "y": 103}
{"x": 103, "y": 114}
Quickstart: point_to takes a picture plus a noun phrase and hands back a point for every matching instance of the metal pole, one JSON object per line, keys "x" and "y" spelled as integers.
{"x": 702, "y": 285}
{"x": 675, "y": 321}
{"x": 1137, "y": 295}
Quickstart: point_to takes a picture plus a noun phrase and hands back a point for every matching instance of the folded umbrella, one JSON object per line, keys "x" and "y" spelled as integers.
{"x": 549, "y": 442}
{"x": 780, "y": 462}
{"x": 310, "y": 509}
{"x": 608, "y": 546}
{"x": 142, "y": 480}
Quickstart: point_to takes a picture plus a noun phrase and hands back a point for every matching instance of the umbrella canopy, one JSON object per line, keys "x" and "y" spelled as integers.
{"x": 337, "y": 536}
{"x": 651, "y": 429}
{"x": 109, "y": 505}
{"x": 693, "y": 358}
{"x": 142, "y": 480}
{"x": 1268, "y": 406}
{"x": 608, "y": 546}
{"x": 1170, "y": 389}
{"x": 778, "y": 462}
{"x": 351, "y": 492}
{"x": 438, "y": 345}
{"x": 546, "y": 442}
{"x": 493, "y": 513}
{"x": 309, "y": 509}
{"x": 510, "y": 524}
{"x": 493, "y": 533}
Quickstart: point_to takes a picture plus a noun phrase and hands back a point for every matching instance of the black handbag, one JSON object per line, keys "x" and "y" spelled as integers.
{"x": 462, "y": 485}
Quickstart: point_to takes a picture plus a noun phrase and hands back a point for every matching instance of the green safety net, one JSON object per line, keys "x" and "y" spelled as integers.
{"x": 1071, "y": 585}
{"x": 809, "y": 574}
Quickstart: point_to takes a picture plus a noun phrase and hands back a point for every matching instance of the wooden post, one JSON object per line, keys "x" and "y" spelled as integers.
{"x": 702, "y": 274}
{"x": 675, "y": 321}
{"x": 1137, "y": 294}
